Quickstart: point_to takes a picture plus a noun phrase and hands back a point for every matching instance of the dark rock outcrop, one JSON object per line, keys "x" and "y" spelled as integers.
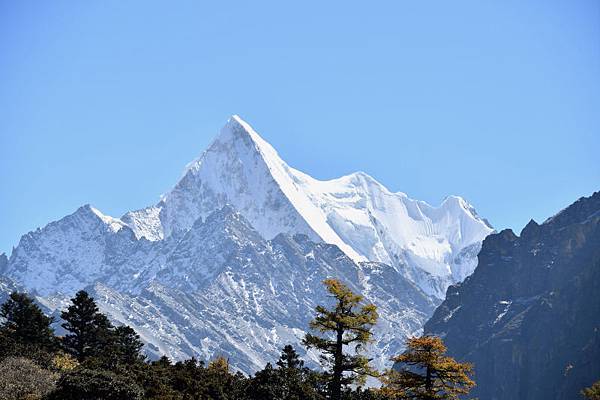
{"x": 529, "y": 316}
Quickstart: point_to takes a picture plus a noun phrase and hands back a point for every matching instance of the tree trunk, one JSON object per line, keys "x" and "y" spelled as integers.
{"x": 428, "y": 384}
{"x": 336, "y": 381}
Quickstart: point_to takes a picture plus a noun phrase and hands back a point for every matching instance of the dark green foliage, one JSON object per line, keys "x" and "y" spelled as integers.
{"x": 221, "y": 384}
{"x": 111, "y": 365}
{"x": 93, "y": 340}
{"x": 289, "y": 359}
{"x": 86, "y": 384}
{"x": 126, "y": 346}
{"x": 90, "y": 331}
{"x": 367, "y": 394}
{"x": 25, "y": 324}
{"x": 187, "y": 378}
{"x": 191, "y": 379}
{"x": 267, "y": 384}
{"x": 289, "y": 381}
{"x": 156, "y": 379}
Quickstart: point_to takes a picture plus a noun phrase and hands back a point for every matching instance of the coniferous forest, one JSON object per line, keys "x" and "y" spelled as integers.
{"x": 96, "y": 360}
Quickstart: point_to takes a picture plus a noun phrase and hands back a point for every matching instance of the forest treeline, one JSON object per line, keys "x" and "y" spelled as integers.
{"x": 96, "y": 360}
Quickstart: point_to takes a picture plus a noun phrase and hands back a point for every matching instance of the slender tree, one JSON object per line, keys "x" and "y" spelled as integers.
{"x": 425, "y": 372}
{"x": 345, "y": 327}
{"x": 25, "y": 323}
{"x": 90, "y": 331}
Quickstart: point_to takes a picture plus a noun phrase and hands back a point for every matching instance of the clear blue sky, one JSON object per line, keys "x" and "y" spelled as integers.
{"x": 105, "y": 102}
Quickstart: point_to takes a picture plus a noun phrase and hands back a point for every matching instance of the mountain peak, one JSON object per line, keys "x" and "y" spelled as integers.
{"x": 238, "y": 121}
{"x": 237, "y": 129}
{"x": 113, "y": 223}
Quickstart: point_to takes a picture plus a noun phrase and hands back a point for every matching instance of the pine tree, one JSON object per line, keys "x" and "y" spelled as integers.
{"x": 296, "y": 380}
{"x": 427, "y": 373}
{"x": 348, "y": 324}
{"x": 25, "y": 323}
{"x": 267, "y": 384}
{"x": 90, "y": 331}
{"x": 289, "y": 359}
{"x": 289, "y": 381}
{"x": 127, "y": 345}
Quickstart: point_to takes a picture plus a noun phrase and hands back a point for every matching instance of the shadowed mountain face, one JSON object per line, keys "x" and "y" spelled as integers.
{"x": 529, "y": 316}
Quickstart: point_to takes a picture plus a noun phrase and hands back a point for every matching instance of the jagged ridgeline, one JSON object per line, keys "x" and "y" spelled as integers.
{"x": 529, "y": 316}
{"x": 231, "y": 259}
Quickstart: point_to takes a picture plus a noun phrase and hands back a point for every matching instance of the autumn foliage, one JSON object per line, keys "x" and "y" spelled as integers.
{"x": 426, "y": 372}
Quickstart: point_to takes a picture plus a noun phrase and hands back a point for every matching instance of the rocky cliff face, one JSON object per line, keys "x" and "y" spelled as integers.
{"x": 529, "y": 316}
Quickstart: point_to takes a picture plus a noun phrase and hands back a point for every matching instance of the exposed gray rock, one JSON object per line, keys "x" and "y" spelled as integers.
{"x": 529, "y": 316}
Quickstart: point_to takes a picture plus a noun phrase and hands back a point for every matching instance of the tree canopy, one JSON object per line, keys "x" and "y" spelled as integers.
{"x": 97, "y": 360}
{"x": 425, "y": 372}
{"x": 25, "y": 323}
{"x": 344, "y": 331}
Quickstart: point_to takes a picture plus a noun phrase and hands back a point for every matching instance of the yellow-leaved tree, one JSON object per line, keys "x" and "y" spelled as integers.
{"x": 424, "y": 371}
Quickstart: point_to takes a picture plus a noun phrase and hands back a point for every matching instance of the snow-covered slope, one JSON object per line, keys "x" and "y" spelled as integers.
{"x": 220, "y": 288}
{"x": 246, "y": 297}
{"x": 434, "y": 246}
{"x": 78, "y": 250}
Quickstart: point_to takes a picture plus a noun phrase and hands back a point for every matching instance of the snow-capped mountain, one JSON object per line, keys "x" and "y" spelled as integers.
{"x": 231, "y": 259}
{"x": 432, "y": 246}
